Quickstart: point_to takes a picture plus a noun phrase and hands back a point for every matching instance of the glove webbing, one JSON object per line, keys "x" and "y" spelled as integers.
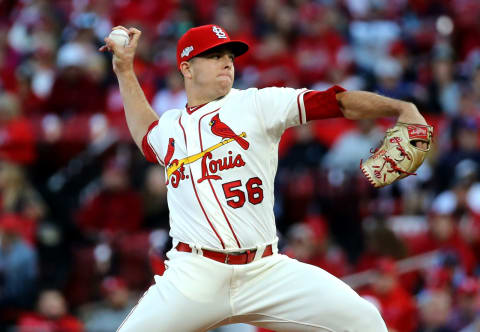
{"x": 391, "y": 162}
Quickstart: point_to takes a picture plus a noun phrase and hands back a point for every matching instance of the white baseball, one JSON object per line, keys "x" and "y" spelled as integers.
{"x": 119, "y": 37}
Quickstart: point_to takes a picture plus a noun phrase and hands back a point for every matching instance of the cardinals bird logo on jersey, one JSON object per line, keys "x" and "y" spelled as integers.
{"x": 170, "y": 150}
{"x": 222, "y": 130}
{"x": 210, "y": 166}
{"x": 169, "y": 155}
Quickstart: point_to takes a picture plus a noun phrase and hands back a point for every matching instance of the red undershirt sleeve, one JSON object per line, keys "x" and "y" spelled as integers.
{"x": 322, "y": 104}
{"x": 146, "y": 147}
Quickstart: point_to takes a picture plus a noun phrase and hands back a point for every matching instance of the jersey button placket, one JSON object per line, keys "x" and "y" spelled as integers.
{"x": 193, "y": 144}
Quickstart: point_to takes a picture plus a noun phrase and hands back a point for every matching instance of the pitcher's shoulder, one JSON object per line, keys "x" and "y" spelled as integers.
{"x": 243, "y": 93}
{"x": 170, "y": 115}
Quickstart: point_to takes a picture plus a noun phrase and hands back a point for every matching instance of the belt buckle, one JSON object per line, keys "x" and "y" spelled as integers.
{"x": 226, "y": 258}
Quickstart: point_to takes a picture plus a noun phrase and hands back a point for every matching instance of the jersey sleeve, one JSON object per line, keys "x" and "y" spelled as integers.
{"x": 150, "y": 144}
{"x": 322, "y": 104}
{"x": 282, "y": 108}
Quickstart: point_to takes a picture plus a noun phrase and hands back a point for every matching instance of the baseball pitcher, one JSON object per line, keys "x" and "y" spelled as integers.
{"x": 220, "y": 158}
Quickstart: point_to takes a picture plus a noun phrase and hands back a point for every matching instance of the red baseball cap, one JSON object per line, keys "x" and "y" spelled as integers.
{"x": 200, "y": 39}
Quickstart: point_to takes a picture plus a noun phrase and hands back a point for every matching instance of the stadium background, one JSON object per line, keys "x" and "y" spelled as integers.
{"x": 83, "y": 217}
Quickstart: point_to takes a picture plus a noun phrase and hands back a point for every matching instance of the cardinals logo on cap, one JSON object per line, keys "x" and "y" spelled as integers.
{"x": 219, "y": 32}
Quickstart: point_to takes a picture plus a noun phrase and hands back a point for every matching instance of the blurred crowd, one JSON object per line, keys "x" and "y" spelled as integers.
{"x": 83, "y": 217}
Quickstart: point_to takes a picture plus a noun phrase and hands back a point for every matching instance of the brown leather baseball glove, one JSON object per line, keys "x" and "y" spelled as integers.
{"x": 398, "y": 156}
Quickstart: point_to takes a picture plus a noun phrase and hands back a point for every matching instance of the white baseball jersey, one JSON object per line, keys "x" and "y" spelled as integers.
{"x": 221, "y": 158}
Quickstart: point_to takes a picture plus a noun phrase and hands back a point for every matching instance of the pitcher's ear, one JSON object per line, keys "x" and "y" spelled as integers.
{"x": 186, "y": 69}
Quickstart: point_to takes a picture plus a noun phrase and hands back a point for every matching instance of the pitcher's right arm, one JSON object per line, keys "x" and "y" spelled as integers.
{"x": 138, "y": 112}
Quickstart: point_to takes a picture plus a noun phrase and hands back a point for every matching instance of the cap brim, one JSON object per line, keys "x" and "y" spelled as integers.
{"x": 238, "y": 47}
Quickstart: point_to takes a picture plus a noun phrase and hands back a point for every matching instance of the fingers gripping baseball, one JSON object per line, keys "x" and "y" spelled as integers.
{"x": 123, "y": 56}
{"x": 134, "y": 37}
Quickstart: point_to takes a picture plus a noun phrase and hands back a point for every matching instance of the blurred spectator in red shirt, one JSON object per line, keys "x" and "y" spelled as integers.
{"x": 319, "y": 47}
{"x": 116, "y": 208}
{"x": 75, "y": 91}
{"x": 51, "y": 315}
{"x": 396, "y": 305}
{"x": 443, "y": 235}
{"x": 17, "y": 140}
{"x": 274, "y": 64}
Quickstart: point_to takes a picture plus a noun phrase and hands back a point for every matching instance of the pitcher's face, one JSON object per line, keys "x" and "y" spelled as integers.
{"x": 213, "y": 71}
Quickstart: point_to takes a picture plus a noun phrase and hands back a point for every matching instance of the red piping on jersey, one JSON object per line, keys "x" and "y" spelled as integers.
{"x": 299, "y": 108}
{"x": 210, "y": 182}
{"x": 184, "y": 136}
{"x": 148, "y": 150}
{"x": 201, "y": 206}
{"x": 195, "y": 190}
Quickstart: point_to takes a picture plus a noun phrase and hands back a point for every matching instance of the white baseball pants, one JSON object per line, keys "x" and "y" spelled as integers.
{"x": 275, "y": 292}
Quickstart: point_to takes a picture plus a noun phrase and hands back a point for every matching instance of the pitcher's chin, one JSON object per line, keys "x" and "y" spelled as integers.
{"x": 225, "y": 85}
